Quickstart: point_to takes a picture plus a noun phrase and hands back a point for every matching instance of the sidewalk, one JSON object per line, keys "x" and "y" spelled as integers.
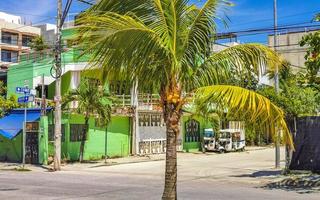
{"x": 100, "y": 163}
{"x": 79, "y": 166}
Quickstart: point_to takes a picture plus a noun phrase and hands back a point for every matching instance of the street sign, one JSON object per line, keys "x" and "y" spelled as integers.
{"x": 19, "y": 90}
{"x": 26, "y": 99}
{"x": 22, "y": 90}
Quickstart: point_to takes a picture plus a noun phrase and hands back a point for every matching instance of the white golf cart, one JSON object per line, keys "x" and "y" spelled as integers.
{"x": 231, "y": 140}
{"x": 209, "y": 140}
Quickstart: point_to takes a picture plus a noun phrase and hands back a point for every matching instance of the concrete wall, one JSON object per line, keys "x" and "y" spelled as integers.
{"x": 118, "y": 139}
{"x": 289, "y": 48}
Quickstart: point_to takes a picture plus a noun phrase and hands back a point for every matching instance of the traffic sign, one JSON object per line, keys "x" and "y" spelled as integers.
{"x": 26, "y": 99}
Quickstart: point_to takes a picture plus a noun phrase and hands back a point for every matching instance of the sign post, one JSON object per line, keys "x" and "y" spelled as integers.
{"x": 24, "y": 99}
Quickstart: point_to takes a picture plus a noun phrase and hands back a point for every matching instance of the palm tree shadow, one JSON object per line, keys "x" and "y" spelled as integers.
{"x": 264, "y": 173}
{"x": 302, "y": 184}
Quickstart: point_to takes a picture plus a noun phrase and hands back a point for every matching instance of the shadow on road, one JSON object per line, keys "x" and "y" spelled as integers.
{"x": 257, "y": 174}
{"x": 308, "y": 183}
{"x": 301, "y": 185}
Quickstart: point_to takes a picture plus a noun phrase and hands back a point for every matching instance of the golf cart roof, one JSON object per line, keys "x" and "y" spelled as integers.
{"x": 208, "y": 129}
{"x": 230, "y": 130}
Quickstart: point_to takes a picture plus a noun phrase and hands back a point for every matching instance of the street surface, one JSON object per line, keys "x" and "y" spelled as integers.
{"x": 240, "y": 176}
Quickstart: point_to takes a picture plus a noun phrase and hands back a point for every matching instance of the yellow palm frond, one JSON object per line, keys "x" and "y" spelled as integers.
{"x": 245, "y": 104}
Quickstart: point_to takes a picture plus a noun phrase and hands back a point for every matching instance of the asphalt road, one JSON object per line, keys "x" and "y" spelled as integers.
{"x": 240, "y": 176}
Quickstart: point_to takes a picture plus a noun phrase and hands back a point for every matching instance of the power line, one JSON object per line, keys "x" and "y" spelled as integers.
{"x": 86, "y": 2}
{"x": 284, "y": 17}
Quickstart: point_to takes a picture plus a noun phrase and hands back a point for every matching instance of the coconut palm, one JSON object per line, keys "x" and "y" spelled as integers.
{"x": 167, "y": 44}
{"x": 92, "y": 101}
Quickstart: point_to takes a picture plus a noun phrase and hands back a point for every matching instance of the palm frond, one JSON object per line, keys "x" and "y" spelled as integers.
{"x": 126, "y": 55}
{"x": 245, "y": 105}
{"x": 239, "y": 60}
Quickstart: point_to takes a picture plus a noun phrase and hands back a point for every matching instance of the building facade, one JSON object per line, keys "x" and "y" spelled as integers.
{"x": 289, "y": 48}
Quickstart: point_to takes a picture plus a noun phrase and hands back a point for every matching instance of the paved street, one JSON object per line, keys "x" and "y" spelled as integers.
{"x": 201, "y": 176}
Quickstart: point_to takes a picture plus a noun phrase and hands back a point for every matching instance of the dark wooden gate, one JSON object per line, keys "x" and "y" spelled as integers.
{"x": 32, "y": 143}
{"x": 307, "y": 145}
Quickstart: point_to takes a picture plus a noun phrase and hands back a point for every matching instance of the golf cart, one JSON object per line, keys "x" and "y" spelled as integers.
{"x": 209, "y": 140}
{"x": 231, "y": 140}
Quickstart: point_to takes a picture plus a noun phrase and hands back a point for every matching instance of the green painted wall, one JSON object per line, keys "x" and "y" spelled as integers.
{"x": 65, "y": 85}
{"x": 43, "y": 140}
{"x": 118, "y": 141}
{"x": 11, "y": 150}
{"x": 187, "y": 146}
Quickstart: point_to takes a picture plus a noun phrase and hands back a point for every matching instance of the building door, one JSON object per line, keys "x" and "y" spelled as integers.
{"x": 32, "y": 143}
{"x": 192, "y": 131}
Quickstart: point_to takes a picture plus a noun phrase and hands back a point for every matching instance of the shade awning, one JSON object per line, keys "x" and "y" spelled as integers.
{"x": 12, "y": 124}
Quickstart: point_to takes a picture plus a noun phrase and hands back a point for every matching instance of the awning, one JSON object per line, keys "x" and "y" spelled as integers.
{"x": 12, "y": 124}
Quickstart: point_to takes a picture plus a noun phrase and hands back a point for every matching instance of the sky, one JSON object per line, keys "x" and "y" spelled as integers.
{"x": 244, "y": 15}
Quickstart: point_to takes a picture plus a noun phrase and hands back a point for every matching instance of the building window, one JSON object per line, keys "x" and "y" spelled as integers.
{"x": 192, "y": 131}
{"x": 76, "y": 131}
{"x": 9, "y": 38}
{"x": 26, "y": 40}
{"x": 51, "y": 132}
{"x": 151, "y": 119}
{"x": 9, "y": 56}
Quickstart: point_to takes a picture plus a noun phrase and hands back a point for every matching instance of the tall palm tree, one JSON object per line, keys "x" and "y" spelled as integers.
{"x": 92, "y": 101}
{"x": 166, "y": 44}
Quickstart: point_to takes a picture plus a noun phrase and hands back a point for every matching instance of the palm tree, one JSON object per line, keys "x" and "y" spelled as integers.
{"x": 92, "y": 101}
{"x": 166, "y": 44}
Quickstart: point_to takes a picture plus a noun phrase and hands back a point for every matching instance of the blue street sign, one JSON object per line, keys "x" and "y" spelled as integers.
{"x": 26, "y": 90}
{"x": 22, "y": 90}
{"x": 19, "y": 90}
{"x": 26, "y": 99}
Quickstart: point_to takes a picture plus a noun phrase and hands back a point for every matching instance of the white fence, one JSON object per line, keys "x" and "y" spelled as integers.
{"x": 152, "y": 146}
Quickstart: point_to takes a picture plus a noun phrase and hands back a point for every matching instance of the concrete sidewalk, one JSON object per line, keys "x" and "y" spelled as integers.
{"x": 110, "y": 162}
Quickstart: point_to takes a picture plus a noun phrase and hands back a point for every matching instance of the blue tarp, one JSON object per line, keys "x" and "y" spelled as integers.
{"x": 12, "y": 124}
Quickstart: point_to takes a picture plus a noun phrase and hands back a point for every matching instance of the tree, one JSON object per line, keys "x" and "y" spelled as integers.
{"x": 38, "y": 44}
{"x": 92, "y": 101}
{"x": 312, "y": 41}
{"x": 6, "y": 104}
{"x": 167, "y": 44}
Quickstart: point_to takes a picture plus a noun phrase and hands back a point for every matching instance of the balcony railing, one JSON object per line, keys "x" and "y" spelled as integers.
{"x": 145, "y": 101}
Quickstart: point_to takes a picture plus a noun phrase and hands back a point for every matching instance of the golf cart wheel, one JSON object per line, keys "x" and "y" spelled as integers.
{"x": 221, "y": 151}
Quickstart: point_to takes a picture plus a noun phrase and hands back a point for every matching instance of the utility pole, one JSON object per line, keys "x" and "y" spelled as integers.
{"x": 57, "y": 98}
{"x": 43, "y": 97}
{"x": 276, "y": 82}
{"x": 135, "y": 118}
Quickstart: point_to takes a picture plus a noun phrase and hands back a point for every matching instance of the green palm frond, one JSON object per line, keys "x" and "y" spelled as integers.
{"x": 244, "y": 104}
{"x": 92, "y": 100}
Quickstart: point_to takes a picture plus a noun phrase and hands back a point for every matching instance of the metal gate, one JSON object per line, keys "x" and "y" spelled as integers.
{"x": 32, "y": 143}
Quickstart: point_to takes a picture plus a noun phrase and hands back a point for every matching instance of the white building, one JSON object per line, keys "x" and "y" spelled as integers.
{"x": 15, "y": 39}
{"x": 289, "y": 48}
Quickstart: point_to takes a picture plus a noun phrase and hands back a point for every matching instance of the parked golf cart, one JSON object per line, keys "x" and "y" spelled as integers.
{"x": 231, "y": 140}
{"x": 209, "y": 140}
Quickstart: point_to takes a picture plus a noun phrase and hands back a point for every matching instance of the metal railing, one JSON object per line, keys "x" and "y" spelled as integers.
{"x": 152, "y": 146}
{"x": 145, "y": 101}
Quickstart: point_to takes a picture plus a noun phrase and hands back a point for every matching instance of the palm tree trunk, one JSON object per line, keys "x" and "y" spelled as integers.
{"x": 83, "y": 138}
{"x": 172, "y": 122}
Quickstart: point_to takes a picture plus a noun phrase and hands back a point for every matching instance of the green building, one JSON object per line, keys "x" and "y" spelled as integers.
{"x": 30, "y": 71}
{"x": 151, "y": 137}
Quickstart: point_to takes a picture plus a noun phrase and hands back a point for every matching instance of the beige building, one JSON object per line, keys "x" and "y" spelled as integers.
{"x": 288, "y": 46}
{"x": 15, "y": 39}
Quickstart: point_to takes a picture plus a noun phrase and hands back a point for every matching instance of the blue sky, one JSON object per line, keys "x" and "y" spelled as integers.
{"x": 246, "y": 14}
